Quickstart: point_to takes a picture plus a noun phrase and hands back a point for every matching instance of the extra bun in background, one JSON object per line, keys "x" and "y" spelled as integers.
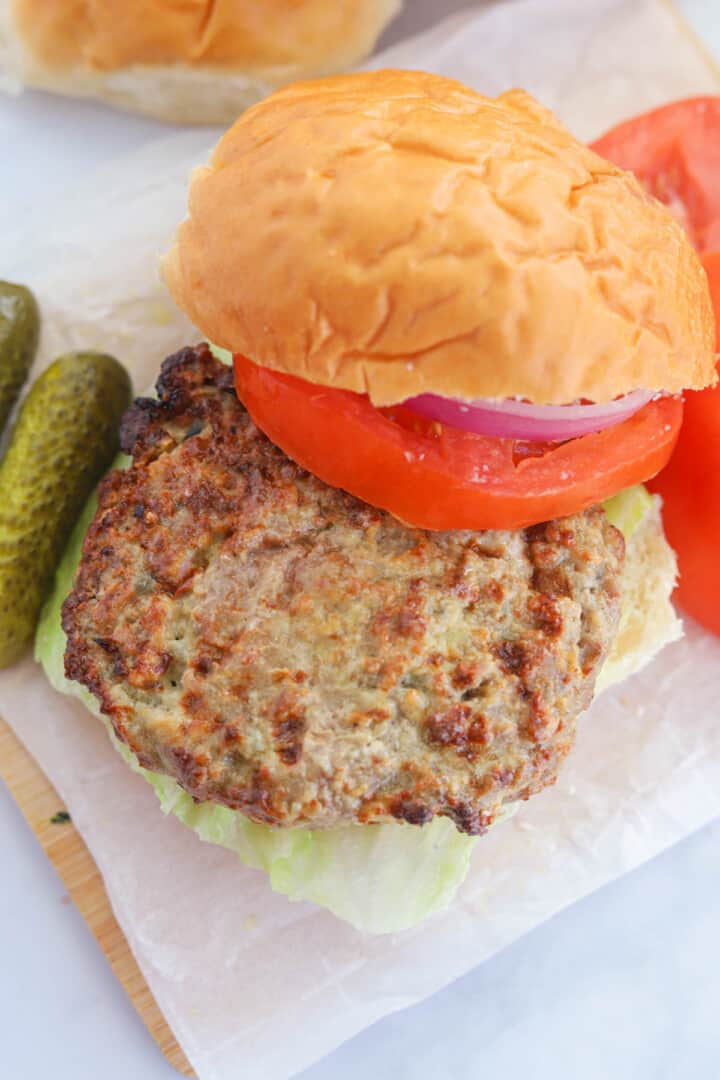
{"x": 398, "y": 233}
{"x": 194, "y": 62}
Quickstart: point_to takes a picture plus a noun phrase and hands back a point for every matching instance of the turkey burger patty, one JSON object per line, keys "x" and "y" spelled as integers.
{"x": 282, "y": 648}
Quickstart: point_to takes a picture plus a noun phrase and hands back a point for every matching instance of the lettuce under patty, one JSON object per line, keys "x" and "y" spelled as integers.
{"x": 379, "y": 878}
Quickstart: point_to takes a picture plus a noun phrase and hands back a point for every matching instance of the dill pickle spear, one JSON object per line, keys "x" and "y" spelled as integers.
{"x": 19, "y": 332}
{"x": 65, "y": 438}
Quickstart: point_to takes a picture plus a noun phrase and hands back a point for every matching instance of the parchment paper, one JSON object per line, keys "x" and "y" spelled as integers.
{"x": 253, "y": 985}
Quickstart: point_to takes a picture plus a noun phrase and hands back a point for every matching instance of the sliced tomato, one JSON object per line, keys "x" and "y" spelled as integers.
{"x": 441, "y": 478}
{"x": 675, "y": 151}
{"x": 690, "y": 487}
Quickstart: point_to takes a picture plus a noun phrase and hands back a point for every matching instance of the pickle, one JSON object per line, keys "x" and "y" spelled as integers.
{"x": 65, "y": 438}
{"x": 19, "y": 332}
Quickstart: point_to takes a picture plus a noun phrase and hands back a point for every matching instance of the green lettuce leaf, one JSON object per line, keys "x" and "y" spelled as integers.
{"x": 627, "y": 510}
{"x": 223, "y": 355}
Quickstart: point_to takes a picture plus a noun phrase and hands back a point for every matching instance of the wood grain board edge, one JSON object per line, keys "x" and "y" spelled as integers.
{"x": 63, "y": 845}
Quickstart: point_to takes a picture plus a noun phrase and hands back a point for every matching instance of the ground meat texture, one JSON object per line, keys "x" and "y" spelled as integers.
{"x": 282, "y": 648}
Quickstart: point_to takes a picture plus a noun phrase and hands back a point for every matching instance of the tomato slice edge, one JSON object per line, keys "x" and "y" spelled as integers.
{"x": 458, "y": 481}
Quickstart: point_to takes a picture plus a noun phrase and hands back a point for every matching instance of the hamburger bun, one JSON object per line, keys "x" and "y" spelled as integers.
{"x": 649, "y": 621}
{"x": 196, "y": 62}
{"x": 397, "y": 233}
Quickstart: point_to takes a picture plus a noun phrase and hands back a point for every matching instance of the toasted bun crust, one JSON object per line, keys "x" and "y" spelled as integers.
{"x": 397, "y": 233}
{"x": 197, "y": 61}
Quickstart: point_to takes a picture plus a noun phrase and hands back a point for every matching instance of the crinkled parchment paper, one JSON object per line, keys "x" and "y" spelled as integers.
{"x": 253, "y": 985}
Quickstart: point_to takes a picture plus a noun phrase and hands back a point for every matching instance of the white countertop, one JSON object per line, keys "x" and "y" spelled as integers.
{"x": 624, "y": 984}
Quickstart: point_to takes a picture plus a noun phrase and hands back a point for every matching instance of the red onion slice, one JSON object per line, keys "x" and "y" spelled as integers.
{"x": 511, "y": 419}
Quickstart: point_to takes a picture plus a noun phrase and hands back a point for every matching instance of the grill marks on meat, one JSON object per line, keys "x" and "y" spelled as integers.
{"x": 284, "y": 649}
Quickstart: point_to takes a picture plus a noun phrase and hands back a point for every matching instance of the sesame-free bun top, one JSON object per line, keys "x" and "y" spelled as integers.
{"x": 252, "y": 34}
{"x": 188, "y": 60}
{"x": 398, "y": 233}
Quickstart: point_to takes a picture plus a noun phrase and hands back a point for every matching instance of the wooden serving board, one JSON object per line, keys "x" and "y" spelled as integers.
{"x": 61, "y": 842}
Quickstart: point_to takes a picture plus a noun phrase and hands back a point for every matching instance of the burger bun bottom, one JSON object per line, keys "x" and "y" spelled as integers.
{"x": 649, "y": 621}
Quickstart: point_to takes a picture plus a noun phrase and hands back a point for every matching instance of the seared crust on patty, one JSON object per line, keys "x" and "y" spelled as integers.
{"x": 280, "y": 647}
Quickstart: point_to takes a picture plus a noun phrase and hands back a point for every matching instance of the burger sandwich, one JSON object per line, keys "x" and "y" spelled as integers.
{"x": 371, "y": 554}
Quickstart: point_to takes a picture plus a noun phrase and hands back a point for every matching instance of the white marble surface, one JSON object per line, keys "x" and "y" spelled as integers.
{"x": 624, "y": 984}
